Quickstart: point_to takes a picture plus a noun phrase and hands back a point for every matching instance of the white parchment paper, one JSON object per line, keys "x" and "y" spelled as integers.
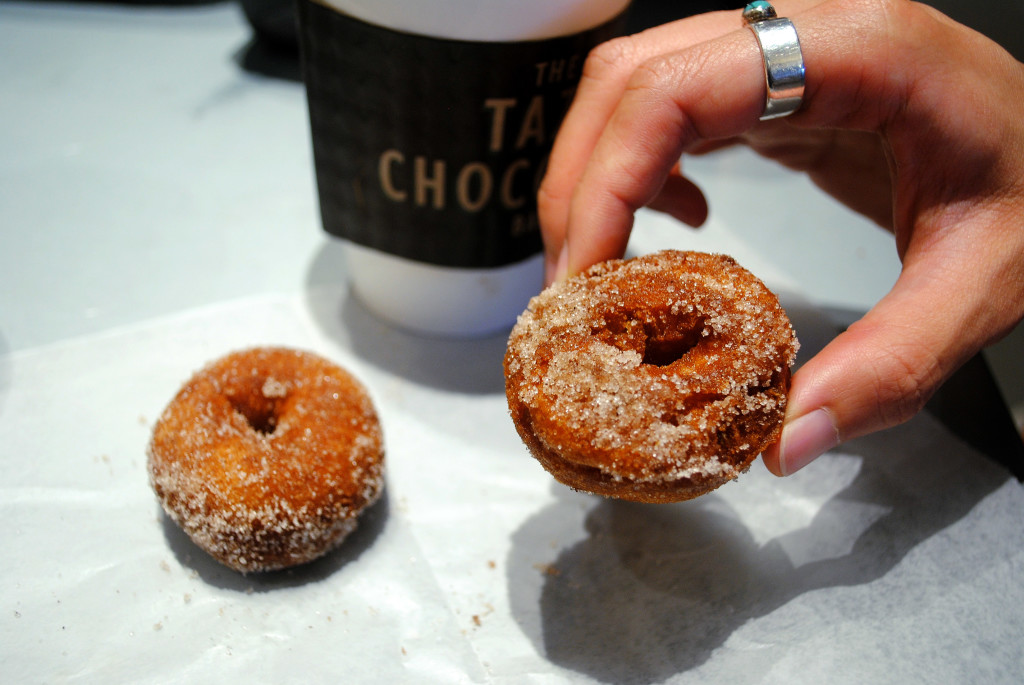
{"x": 899, "y": 558}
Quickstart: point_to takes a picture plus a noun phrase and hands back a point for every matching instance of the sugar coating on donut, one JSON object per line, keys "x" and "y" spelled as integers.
{"x": 266, "y": 457}
{"x": 654, "y": 379}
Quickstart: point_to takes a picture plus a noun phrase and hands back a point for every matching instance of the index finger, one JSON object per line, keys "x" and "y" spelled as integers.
{"x": 707, "y": 91}
{"x": 606, "y": 74}
{"x": 715, "y": 90}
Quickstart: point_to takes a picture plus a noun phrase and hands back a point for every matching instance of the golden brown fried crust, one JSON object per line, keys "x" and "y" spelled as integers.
{"x": 266, "y": 457}
{"x": 655, "y": 379}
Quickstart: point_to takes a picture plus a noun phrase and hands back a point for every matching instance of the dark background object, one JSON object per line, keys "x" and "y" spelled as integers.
{"x": 274, "y": 20}
{"x": 274, "y": 24}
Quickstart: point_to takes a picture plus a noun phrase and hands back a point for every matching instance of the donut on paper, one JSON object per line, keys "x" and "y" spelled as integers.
{"x": 266, "y": 457}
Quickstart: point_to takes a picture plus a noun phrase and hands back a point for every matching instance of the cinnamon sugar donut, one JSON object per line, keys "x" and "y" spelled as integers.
{"x": 654, "y": 379}
{"x": 267, "y": 456}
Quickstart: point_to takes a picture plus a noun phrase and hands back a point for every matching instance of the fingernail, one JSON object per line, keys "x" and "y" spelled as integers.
{"x": 806, "y": 439}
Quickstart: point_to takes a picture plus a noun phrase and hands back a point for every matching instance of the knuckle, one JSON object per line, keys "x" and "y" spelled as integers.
{"x": 871, "y": 8}
{"x": 625, "y": 62}
{"x": 884, "y": 18}
{"x": 549, "y": 200}
{"x": 664, "y": 72}
{"x": 649, "y": 74}
{"x": 905, "y": 379}
{"x": 611, "y": 57}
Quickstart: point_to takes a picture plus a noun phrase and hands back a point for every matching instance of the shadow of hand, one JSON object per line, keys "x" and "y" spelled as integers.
{"x": 652, "y": 591}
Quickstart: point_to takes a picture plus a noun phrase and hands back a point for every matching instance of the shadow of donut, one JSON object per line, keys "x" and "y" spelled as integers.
{"x": 652, "y": 591}
{"x": 372, "y": 522}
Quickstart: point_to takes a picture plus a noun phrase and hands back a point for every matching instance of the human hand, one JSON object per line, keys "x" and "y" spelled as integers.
{"x": 909, "y": 118}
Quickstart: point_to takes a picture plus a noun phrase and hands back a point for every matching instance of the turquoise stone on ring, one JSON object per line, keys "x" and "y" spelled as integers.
{"x": 758, "y": 11}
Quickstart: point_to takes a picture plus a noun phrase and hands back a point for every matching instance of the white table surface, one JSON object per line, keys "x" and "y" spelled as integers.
{"x": 154, "y": 192}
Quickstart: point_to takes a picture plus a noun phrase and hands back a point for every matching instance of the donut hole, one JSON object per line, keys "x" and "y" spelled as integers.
{"x": 261, "y": 416}
{"x": 259, "y": 411}
{"x": 669, "y": 339}
{"x": 262, "y": 420}
{"x": 661, "y": 340}
{"x": 668, "y": 348}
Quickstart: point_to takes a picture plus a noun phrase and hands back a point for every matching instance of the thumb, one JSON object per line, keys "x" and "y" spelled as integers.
{"x": 883, "y": 369}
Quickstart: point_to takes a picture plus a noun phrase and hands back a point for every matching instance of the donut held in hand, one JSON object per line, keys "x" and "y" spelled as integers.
{"x": 267, "y": 456}
{"x": 655, "y": 379}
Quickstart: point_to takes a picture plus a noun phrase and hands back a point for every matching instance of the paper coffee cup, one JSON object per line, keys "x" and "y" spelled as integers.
{"x": 431, "y": 124}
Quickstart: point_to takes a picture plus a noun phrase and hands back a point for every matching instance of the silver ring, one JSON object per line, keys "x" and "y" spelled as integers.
{"x": 783, "y": 61}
